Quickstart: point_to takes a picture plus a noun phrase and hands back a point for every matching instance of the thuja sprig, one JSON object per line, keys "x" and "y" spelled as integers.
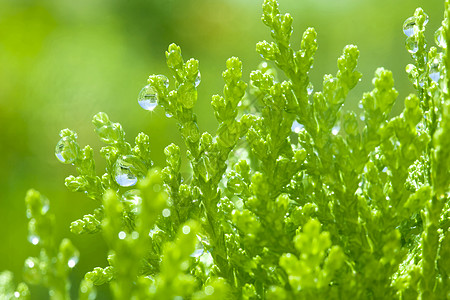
{"x": 294, "y": 201}
{"x": 51, "y": 268}
{"x": 9, "y": 290}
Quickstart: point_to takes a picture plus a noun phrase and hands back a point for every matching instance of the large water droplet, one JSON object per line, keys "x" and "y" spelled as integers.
{"x": 148, "y": 98}
{"x": 410, "y": 26}
{"x": 434, "y": 73}
{"x": 198, "y": 79}
{"x": 296, "y": 127}
{"x": 66, "y": 150}
{"x": 412, "y": 45}
{"x": 128, "y": 169}
{"x": 439, "y": 38}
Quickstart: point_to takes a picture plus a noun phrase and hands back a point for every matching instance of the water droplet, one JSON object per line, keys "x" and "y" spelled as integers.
{"x": 148, "y": 98}
{"x": 186, "y": 229}
{"x": 209, "y": 290}
{"x": 200, "y": 248}
{"x": 310, "y": 88}
{"x": 166, "y": 213}
{"x": 335, "y": 130}
{"x": 296, "y": 127}
{"x": 410, "y": 26}
{"x": 127, "y": 169}
{"x": 34, "y": 239}
{"x": 198, "y": 79}
{"x": 122, "y": 235}
{"x": 16, "y": 294}
{"x": 66, "y": 150}
{"x": 72, "y": 262}
{"x": 439, "y": 38}
{"x": 434, "y": 73}
{"x": 411, "y": 70}
{"x": 360, "y": 105}
{"x": 31, "y": 273}
{"x": 135, "y": 235}
{"x": 164, "y": 80}
{"x": 169, "y": 115}
{"x": 422, "y": 80}
{"x": 425, "y": 22}
{"x": 412, "y": 45}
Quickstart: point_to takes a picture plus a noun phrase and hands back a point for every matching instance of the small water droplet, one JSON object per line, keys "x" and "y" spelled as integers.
{"x": 16, "y": 294}
{"x": 425, "y": 22}
{"x": 310, "y": 88}
{"x": 209, "y": 290}
{"x": 128, "y": 169}
{"x": 66, "y": 150}
{"x": 200, "y": 248}
{"x": 412, "y": 45}
{"x": 360, "y": 105}
{"x": 34, "y": 239}
{"x": 72, "y": 262}
{"x": 335, "y": 130}
{"x": 135, "y": 235}
{"x": 296, "y": 127}
{"x": 148, "y": 98}
{"x": 166, "y": 213}
{"x": 186, "y": 229}
{"x": 422, "y": 80}
{"x": 168, "y": 115}
{"x": 31, "y": 270}
{"x": 434, "y": 73}
{"x": 439, "y": 38}
{"x": 198, "y": 79}
{"x": 165, "y": 80}
{"x": 122, "y": 235}
{"x": 409, "y": 26}
{"x": 362, "y": 117}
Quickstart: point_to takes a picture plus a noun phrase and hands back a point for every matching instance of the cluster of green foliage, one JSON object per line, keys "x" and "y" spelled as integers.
{"x": 290, "y": 199}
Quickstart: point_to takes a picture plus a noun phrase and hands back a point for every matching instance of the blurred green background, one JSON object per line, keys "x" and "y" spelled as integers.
{"x": 61, "y": 62}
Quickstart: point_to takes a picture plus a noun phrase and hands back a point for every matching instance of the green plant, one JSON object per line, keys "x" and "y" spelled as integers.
{"x": 290, "y": 199}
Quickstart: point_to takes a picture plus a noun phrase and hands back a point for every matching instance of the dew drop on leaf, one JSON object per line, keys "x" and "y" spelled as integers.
{"x": 186, "y": 229}
{"x": 164, "y": 80}
{"x": 439, "y": 38}
{"x": 412, "y": 45}
{"x": 198, "y": 79}
{"x": 66, "y": 150}
{"x": 296, "y": 127}
{"x": 335, "y": 130}
{"x": 127, "y": 169}
{"x": 434, "y": 73}
{"x": 310, "y": 88}
{"x": 409, "y": 26}
{"x": 148, "y": 98}
{"x": 34, "y": 239}
{"x": 72, "y": 261}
